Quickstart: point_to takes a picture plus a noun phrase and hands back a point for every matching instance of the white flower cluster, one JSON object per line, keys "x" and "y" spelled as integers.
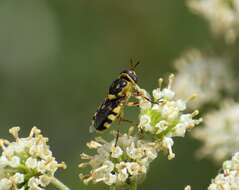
{"x": 203, "y": 76}
{"x": 229, "y": 179}
{"x": 118, "y": 164}
{"x": 27, "y": 163}
{"x": 222, "y": 15}
{"x": 165, "y": 117}
{"x": 220, "y": 133}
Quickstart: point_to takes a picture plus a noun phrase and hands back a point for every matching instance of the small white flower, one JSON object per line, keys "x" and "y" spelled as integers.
{"x": 133, "y": 168}
{"x": 3, "y": 161}
{"x": 188, "y": 187}
{"x": 168, "y": 94}
{"x": 93, "y": 144}
{"x": 110, "y": 179}
{"x": 213, "y": 187}
{"x": 187, "y": 120}
{"x": 145, "y": 120}
{"x": 180, "y": 130}
{"x": 14, "y": 161}
{"x": 145, "y": 104}
{"x": 181, "y": 105}
{"x": 161, "y": 126}
{"x": 5, "y": 184}
{"x": 227, "y": 165}
{"x": 167, "y": 143}
{"x": 31, "y": 163}
{"x": 44, "y": 180}
{"x": 122, "y": 175}
{"x": 18, "y": 178}
{"x": 157, "y": 94}
{"x": 131, "y": 150}
{"x": 108, "y": 165}
{"x": 116, "y": 152}
{"x": 34, "y": 184}
{"x": 148, "y": 128}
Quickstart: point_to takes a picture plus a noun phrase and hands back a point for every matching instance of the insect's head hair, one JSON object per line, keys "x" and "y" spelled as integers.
{"x": 130, "y": 74}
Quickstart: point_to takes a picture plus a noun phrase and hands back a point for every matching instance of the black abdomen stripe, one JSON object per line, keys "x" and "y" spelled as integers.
{"x": 107, "y": 113}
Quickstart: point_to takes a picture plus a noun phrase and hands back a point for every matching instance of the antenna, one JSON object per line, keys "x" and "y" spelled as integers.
{"x": 132, "y": 65}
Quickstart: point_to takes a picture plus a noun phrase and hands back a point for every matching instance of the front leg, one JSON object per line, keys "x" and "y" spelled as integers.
{"x": 142, "y": 95}
{"x": 133, "y": 104}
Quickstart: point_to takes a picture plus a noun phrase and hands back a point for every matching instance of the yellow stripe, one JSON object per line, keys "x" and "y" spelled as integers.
{"x": 111, "y": 96}
{"x": 106, "y": 125}
{"x": 111, "y": 117}
{"x": 117, "y": 109}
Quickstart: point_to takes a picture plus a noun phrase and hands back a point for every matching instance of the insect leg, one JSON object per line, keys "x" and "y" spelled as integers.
{"x": 126, "y": 120}
{"x": 138, "y": 94}
{"x": 117, "y": 137}
{"x": 132, "y": 104}
{"x": 122, "y": 119}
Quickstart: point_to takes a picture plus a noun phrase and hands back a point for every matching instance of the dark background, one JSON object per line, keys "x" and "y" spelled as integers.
{"x": 58, "y": 57}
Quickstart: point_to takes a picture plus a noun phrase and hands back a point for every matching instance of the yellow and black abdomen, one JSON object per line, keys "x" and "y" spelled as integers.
{"x": 111, "y": 108}
{"x": 108, "y": 112}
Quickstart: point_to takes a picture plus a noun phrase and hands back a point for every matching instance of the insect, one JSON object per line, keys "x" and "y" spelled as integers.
{"x": 118, "y": 96}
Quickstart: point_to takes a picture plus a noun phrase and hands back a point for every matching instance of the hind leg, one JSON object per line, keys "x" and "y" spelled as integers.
{"x": 117, "y": 137}
{"x": 122, "y": 119}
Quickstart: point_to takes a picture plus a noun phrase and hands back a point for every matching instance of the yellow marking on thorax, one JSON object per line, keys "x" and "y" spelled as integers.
{"x": 127, "y": 90}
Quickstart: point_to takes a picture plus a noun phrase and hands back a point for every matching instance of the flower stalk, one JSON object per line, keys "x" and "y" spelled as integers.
{"x": 112, "y": 187}
{"x": 58, "y": 184}
{"x": 133, "y": 185}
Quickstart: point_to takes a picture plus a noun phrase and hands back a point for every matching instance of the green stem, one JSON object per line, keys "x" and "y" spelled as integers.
{"x": 112, "y": 187}
{"x": 58, "y": 184}
{"x": 133, "y": 185}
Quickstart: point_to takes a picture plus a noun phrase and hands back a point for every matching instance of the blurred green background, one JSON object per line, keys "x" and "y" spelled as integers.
{"x": 58, "y": 57}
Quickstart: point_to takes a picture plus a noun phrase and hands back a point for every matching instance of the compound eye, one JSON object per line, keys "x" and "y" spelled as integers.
{"x": 135, "y": 78}
{"x": 131, "y": 72}
{"x": 133, "y": 75}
